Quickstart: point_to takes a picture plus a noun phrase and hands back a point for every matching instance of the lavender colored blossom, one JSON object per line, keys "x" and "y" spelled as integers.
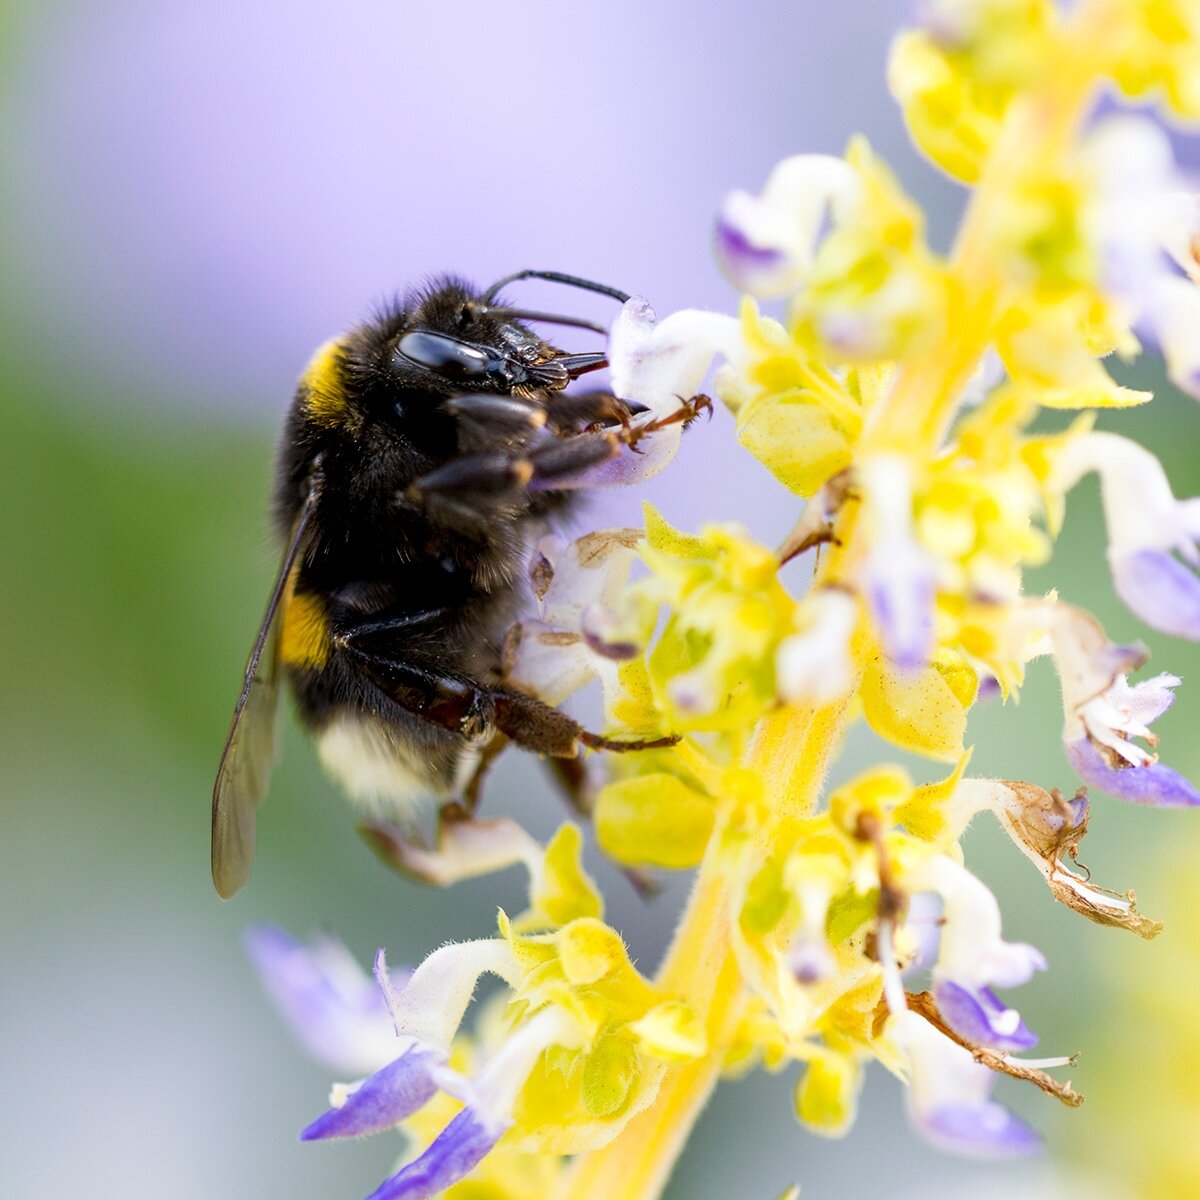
{"x": 1158, "y": 588}
{"x": 754, "y": 269}
{"x": 452, "y": 1155}
{"x": 1147, "y": 527}
{"x": 985, "y": 1130}
{"x": 333, "y": 1007}
{"x": 383, "y": 1099}
{"x": 900, "y": 584}
{"x": 1155, "y": 784}
{"x": 949, "y": 1098}
{"x": 980, "y": 1016}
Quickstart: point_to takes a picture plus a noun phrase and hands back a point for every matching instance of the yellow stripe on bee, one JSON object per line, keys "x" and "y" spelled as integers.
{"x": 325, "y": 398}
{"x": 304, "y": 638}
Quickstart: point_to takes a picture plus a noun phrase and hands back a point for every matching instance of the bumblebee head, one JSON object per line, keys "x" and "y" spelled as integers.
{"x": 448, "y": 340}
{"x": 463, "y": 339}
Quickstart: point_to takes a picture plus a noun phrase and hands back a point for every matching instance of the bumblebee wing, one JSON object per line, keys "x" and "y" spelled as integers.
{"x": 252, "y": 745}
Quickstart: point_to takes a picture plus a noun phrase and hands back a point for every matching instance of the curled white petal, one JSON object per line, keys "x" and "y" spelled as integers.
{"x": 467, "y": 849}
{"x": 1174, "y": 311}
{"x": 766, "y": 243}
{"x": 431, "y": 1005}
{"x": 1125, "y": 712}
{"x": 658, "y": 363}
{"x": 1140, "y": 510}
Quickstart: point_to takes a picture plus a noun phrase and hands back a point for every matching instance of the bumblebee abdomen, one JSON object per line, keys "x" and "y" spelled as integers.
{"x": 387, "y": 772}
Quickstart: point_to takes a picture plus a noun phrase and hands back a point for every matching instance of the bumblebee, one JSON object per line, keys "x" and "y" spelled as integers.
{"x": 422, "y": 455}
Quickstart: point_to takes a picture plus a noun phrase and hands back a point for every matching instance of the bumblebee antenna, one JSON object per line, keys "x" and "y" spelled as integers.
{"x": 554, "y": 277}
{"x": 524, "y": 314}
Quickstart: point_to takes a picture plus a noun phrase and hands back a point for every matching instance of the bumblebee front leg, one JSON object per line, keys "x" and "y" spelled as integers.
{"x": 466, "y": 491}
{"x": 569, "y": 412}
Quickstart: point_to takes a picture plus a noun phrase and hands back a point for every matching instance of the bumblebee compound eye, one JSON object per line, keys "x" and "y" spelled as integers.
{"x": 446, "y": 355}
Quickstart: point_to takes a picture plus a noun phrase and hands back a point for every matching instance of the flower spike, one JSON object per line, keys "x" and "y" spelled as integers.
{"x": 900, "y": 394}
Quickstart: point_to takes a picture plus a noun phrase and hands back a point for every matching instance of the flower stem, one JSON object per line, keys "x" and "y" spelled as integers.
{"x": 1040, "y": 128}
{"x": 791, "y": 751}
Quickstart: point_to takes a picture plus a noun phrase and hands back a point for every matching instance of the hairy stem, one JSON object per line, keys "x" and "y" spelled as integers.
{"x": 791, "y": 752}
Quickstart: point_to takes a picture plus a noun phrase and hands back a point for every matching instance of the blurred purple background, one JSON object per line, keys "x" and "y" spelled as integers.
{"x": 214, "y": 188}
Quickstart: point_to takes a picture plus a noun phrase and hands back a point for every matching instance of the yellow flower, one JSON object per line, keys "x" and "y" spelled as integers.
{"x": 875, "y": 290}
{"x": 1157, "y": 52}
{"x": 713, "y": 665}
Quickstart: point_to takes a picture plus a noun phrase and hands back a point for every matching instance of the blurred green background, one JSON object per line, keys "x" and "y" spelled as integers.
{"x": 189, "y": 204}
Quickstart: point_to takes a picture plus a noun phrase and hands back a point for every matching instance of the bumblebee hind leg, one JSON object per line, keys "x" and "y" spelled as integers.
{"x": 476, "y": 711}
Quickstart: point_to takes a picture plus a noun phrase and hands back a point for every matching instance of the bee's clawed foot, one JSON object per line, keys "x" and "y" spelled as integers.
{"x": 595, "y": 741}
{"x": 689, "y": 409}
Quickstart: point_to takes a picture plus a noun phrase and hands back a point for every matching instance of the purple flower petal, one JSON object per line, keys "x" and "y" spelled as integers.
{"x": 331, "y": 1005}
{"x": 902, "y": 610}
{"x": 984, "y": 1130}
{"x": 451, "y": 1156}
{"x": 749, "y": 267}
{"x": 1155, "y": 784}
{"x": 1159, "y": 589}
{"x": 383, "y": 1099}
{"x": 949, "y": 1097}
{"x": 982, "y": 1017}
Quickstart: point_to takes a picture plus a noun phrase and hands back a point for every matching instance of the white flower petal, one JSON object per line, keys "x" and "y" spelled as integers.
{"x": 765, "y": 244}
{"x": 431, "y": 1005}
{"x": 552, "y": 663}
{"x": 1180, "y": 233}
{"x": 814, "y": 667}
{"x": 662, "y": 363}
{"x": 986, "y": 377}
{"x": 972, "y": 951}
{"x": 1139, "y": 507}
{"x": 1174, "y": 312}
{"x": 1124, "y": 712}
{"x": 949, "y": 1096}
{"x": 899, "y": 574}
{"x": 1134, "y": 179}
{"x": 592, "y": 570}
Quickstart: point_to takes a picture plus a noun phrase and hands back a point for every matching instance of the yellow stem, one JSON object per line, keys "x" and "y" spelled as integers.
{"x": 791, "y": 751}
{"x": 1040, "y": 126}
